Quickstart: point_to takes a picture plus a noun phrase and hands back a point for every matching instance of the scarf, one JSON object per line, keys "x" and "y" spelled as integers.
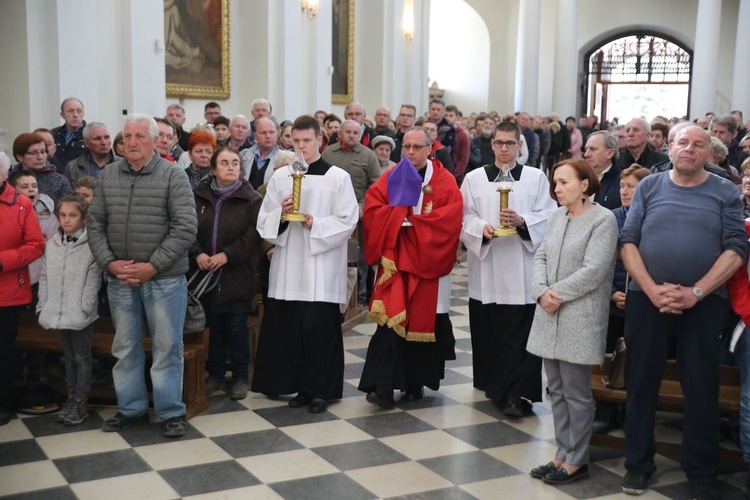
{"x": 220, "y": 194}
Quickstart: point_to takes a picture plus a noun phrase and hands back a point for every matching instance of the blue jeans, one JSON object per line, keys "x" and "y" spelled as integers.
{"x": 162, "y": 303}
{"x": 742, "y": 357}
{"x": 228, "y": 332}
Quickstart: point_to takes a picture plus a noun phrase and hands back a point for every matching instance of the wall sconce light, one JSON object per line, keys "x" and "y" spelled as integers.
{"x": 310, "y": 7}
{"x": 407, "y": 20}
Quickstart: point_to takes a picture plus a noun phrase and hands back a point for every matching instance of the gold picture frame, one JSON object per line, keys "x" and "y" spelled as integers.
{"x": 342, "y": 45}
{"x": 196, "y": 47}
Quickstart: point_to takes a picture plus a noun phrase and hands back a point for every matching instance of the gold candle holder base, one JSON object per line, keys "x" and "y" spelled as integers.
{"x": 504, "y": 231}
{"x": 292, "y": 217}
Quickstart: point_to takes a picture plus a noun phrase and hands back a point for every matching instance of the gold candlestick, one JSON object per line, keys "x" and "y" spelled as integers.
{"x": 294, "y": 215}
{"x": 504, "y": 229}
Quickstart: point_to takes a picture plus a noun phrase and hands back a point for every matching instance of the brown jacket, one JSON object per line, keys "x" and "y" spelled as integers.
{"x": 237, "y": 237}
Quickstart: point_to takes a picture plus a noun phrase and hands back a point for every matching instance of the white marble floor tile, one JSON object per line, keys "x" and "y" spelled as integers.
{"x": 325, "y": 433}
{"x": 259, "y": 492}
{"x": 404, "y": 478}
{"x": 81, "y": 443}
{"x": 229, "y": 423}
{"x": 182, "y": 454}
{"x": 444, "y": 417}
{"x": 287, "y": 465}
{"x": 145, "y": 485}
{"x": 31, "y": 476}
{"x": 427, "y": 444}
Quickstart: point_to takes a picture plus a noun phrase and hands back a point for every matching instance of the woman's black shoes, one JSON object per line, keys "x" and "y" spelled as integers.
{"x": 543, "y": 470}
{"x": 561, "y": 476}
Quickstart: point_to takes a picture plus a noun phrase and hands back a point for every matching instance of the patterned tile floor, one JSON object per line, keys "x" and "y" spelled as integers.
{"x": 453, "y": 444}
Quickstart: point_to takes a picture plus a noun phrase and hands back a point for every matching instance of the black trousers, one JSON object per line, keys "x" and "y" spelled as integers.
{"x": 8, "y": 332}
{"x": 647, "y": 336}
{"x": 300, "y": 349}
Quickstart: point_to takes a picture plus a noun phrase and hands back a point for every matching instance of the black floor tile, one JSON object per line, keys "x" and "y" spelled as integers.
{"x": 490, "y": 435}
{"x": 362, "y": 352}
{"x": 359, "y": 455}
{"x": 353, "y": 370}
{"x": 329, "y": 486}
{"x": 469, "y": 467}
{"x": 222, "y": 403}
{"x": 453, "y": 493}
{"x": 59, "y": 493}
{"x": 463, "y": 344}
{"x": 351, "y": 391}
{"x": 256, "y": 443}
{"x": 453, "y": 378}
{"x": 101, "y": 465}
{"x": 283, "y": 416}
{"x": 431, "y": 399}
{"x": 145, "y": 435}
{"x": 20, "y": 452}
{"x": 682, "y": 491}
{"x": 462, "y": 359}
{"x": 390, "y": 424}
{"x": 47, "y": 425}
{"x": 207, "y": 478}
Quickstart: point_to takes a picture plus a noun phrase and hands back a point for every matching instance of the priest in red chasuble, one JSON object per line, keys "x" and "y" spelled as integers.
{"x": 412, "y": 220}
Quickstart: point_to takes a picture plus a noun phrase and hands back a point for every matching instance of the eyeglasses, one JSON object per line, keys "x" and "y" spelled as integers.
{"x": 507, "y": 144}
{"x": 40, "y": 152}
{"x": 413, "y": 147}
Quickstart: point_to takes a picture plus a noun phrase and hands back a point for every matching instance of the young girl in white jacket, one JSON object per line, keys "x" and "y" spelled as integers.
{"x": 68, "y": 290}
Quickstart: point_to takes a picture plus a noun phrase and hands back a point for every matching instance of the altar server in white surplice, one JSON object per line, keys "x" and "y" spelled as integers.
{"x": 501, "y": 309}
{"x": 300, "y": 347}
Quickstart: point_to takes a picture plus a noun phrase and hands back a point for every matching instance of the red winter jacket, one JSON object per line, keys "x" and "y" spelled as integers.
{"x": 21, "y": 242}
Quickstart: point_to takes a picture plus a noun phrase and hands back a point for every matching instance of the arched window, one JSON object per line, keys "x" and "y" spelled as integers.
{"x": 638, "y": 74}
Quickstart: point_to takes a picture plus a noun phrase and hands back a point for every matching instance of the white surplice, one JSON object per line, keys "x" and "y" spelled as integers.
{"x": 310, "y": 264}
{"x": 500, "y": 270}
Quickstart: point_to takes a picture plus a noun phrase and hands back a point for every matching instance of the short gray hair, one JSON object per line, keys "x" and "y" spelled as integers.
{"x": 720, "y": 151}
{"x": 427, "y": 138}
{"x": 645, "y": 123}
{"x": 135, "y": 118}
{"x": 610, "y": 142}
{"x": 261, "y": 101}
{"x": 175, "y": 106}
{"x": 354, "y": 122}
{"x": 281, "y": 156}
{"x": 239, "y": 117}
{"x": 90, "y": 127}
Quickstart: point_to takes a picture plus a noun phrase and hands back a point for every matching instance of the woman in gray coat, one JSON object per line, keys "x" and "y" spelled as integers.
{"x": 571, "y": 282}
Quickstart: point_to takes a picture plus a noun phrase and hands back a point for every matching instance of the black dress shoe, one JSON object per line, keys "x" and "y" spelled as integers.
{"x": 299, "y": 401}
{"x": 382, "y": 399}
{"x": 543, "y": 470}
{"x": 412, "y": 395}
{"x": 561, "y": 476}
{"x": 513, "y": 408}
{"x": 318, "y": 405}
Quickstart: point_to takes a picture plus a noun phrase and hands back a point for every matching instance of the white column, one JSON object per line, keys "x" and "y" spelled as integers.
{"x": 566, "y": 59}
{"x": 740, "y": 93}
{"x": 143, "y": 57}
{"x": 78, "y": 71}
{"x": 705, "y": 57}
{"x": 527, "y": 56}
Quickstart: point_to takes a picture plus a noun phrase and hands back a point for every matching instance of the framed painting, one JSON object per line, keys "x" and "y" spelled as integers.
{"x": 196, "y": 48}
{"x": 342, "y": 83}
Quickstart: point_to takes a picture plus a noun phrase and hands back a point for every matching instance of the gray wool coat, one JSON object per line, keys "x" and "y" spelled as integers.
{"x": 576, "y": 260}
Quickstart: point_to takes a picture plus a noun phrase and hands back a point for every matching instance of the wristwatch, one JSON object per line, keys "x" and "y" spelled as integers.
{"x": 698, "y": 293}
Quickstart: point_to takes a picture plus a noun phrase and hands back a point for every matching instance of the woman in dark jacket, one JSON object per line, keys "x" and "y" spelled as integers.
{"x": 227, "y": 240}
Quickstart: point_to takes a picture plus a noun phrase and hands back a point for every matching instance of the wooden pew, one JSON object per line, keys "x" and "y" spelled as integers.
{"x": 33, "y": 336}
{"x": 670, "y": 399}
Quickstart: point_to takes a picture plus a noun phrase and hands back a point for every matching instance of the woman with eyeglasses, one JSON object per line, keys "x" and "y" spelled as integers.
{"x": 30, "y": 151}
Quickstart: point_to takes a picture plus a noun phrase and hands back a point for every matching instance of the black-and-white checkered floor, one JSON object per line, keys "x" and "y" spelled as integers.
{"x": 453, "y": 444}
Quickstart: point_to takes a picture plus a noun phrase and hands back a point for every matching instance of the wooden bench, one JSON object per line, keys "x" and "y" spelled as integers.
{"x": 670, "y": 399}
{"x": 33, "y": 336}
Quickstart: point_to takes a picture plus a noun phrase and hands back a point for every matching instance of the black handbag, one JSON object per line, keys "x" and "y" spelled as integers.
{"x": 195, "y": 315}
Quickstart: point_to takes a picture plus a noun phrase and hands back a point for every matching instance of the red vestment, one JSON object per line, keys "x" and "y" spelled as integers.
{"x": 411, "y": 258}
